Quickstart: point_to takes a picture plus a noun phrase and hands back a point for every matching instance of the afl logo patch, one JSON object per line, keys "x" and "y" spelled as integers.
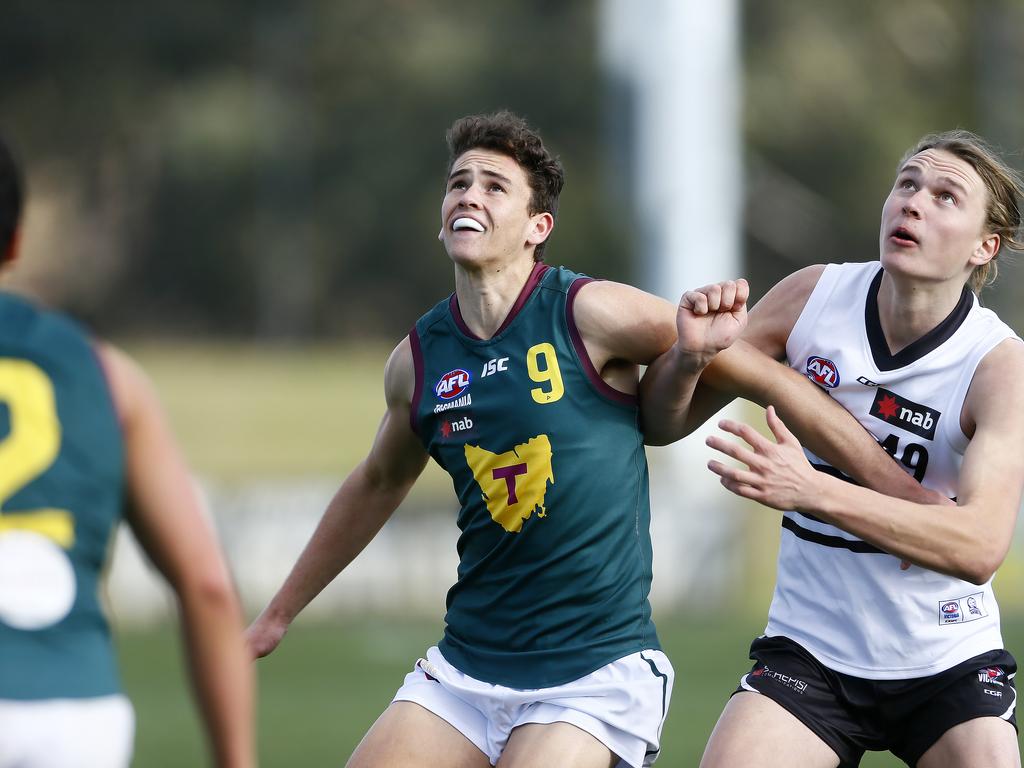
{"x": 822, "y": 372}
{"x": 452, "y": 384}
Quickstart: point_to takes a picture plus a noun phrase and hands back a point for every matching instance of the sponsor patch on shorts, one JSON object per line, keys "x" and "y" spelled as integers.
{"x": 767, "y": 673}
{"x": 960, "y": 610}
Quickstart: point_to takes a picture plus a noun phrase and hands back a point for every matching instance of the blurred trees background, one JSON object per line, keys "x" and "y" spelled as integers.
{"x": 274, "y": 171}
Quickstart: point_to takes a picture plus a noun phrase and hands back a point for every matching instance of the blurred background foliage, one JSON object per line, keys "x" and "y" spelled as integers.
{"x": 257, "y": 170}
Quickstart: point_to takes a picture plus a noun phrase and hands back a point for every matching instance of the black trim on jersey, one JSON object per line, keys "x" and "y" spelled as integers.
{"x": 417, "y": 390}
{"x": 836, "y": 542}
{"x": 828, "y": 469}
{"x": 884, "y": 359}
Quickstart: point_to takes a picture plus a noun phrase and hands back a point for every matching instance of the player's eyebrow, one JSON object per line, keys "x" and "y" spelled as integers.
{"x": 916, "y": 170}
{"x": 492, "y": 174}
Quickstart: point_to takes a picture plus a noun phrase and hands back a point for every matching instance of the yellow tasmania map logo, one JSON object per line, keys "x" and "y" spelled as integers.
{"x": 513, "y": 483}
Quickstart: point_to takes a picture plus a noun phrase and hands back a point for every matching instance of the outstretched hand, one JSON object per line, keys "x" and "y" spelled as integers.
{"x": 264, "y": 635}
{"x": 777, "y": 473}
{"x": 711, "y": 318}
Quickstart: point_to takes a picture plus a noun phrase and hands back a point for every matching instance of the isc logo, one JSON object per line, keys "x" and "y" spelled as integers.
{"x": 494, "y": 365}
{"x": 452, "y": 384}
{"x": 822, "y": 372}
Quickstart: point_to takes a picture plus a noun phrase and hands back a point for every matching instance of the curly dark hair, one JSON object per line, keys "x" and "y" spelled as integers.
{"x": 11, "y": 194}
{"x": 510, "y": 135}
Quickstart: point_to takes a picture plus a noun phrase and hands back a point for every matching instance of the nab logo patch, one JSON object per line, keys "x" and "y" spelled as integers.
{"x": 460, "y": 427}
{"x": 822, "y": 372}
{"x": 452, "y": 384}
{"x": 898, "y": 411}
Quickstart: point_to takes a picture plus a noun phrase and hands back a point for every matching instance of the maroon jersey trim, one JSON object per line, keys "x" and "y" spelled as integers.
{"x": 531, "y": 282}
{"x": 602, "y": 386}
{"x": 417, "y": 392}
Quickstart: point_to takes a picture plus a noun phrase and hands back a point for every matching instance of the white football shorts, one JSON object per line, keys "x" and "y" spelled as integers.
{"x": 67, "y": 733}
{"x": 623, "y": 704}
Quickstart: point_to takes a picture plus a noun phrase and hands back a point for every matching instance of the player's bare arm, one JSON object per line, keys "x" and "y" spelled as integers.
{"x": 169, "y": 521}
{"x": 750, "y": 369}
{"x": 364, "y": 502}
{"x": 623, "y": 327}
{"x": 742, "y": 370}
{"x": 968, "y": 541}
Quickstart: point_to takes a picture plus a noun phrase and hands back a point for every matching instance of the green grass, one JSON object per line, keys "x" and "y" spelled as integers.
{"x": 323, "y": 688}
{"x": 244, "y": 412}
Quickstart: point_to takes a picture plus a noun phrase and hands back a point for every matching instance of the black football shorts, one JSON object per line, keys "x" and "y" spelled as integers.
{"x": 905, "y": 717}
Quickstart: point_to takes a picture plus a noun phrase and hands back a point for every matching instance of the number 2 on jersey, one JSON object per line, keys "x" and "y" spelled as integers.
{"x": 30, "y": 447}
{"x": 536, "y": 356}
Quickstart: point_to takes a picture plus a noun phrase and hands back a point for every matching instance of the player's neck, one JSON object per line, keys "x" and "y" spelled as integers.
{"x": 486, "y": 294}
{"x": 907, "y": 310}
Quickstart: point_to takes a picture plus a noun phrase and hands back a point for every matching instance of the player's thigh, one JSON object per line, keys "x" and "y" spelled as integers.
{"x": 987, "y": 741}
{"x": 409, "y": 736}
{"x": 541, "y": 745}
{"x": 754, "y": 731}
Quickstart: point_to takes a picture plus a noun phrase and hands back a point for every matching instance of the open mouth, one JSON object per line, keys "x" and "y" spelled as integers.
{"x": 465, "y": 223}
{"x": 902, "y": 235}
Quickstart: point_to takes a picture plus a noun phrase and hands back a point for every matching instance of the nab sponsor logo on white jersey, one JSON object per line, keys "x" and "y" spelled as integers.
{"x": 901, "y": 412}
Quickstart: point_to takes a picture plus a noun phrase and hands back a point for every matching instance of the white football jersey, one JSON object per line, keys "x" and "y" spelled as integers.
{"x": 843, "y": 599}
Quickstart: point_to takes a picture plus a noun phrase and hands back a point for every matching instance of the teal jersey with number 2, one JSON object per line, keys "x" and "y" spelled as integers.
{"x": 61, "y": 487}
{"x": 548, "y": 464}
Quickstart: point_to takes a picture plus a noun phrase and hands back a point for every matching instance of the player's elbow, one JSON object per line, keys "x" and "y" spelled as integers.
{"x": 210, "y": 587}
{"x": 979, "y": 567}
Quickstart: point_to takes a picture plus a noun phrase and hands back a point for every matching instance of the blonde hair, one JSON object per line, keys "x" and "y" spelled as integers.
{"x": 1005, "y": 192}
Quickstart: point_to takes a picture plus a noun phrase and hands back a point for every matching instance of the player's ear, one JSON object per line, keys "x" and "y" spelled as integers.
{"x": 986, "y": 250}
{"x": 541, "y": 225}
{"x": 10, "y": 253}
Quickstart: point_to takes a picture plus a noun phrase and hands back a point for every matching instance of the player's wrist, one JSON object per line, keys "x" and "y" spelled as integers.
{"x": 689, "y": 362}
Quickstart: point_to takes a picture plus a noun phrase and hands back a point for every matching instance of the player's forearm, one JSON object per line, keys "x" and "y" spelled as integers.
{"x": 831, "y": 433}
{"x": 821, "y": 424}
{"x": 220, "y": 670}
{"x": 666, "y": 394}
{"x": 940, "y": 537}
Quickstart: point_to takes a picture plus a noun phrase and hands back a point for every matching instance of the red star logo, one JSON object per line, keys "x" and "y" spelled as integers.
{"x": 886, "y": 407}
{"x": 446, "y": 429}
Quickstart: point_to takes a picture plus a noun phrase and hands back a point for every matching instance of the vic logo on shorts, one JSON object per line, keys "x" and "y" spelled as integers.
{"x": 452, "y": 384}
{"x": 822, "y": 372}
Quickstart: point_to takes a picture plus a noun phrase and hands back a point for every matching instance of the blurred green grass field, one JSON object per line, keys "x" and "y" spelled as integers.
{"x": 323, "y": 688}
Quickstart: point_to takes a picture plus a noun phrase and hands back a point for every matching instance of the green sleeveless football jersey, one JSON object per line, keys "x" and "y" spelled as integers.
{"x": 548, "y": 464}
{"x": 61, "y": 488}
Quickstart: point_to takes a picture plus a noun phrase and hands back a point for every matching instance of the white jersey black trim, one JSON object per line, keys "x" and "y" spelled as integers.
{"x": 845, "y": 600}
{"x": 837, "y": 542}
{"x": 884, "y": 359}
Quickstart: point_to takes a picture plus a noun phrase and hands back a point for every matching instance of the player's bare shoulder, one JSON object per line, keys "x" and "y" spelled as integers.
{"x": 772, "y": 318}
{"x": 400, "y": 375}
{"x": 618, "y": 321}
{"x": 997, "y": 389}
{"x": 130, "y": 387}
